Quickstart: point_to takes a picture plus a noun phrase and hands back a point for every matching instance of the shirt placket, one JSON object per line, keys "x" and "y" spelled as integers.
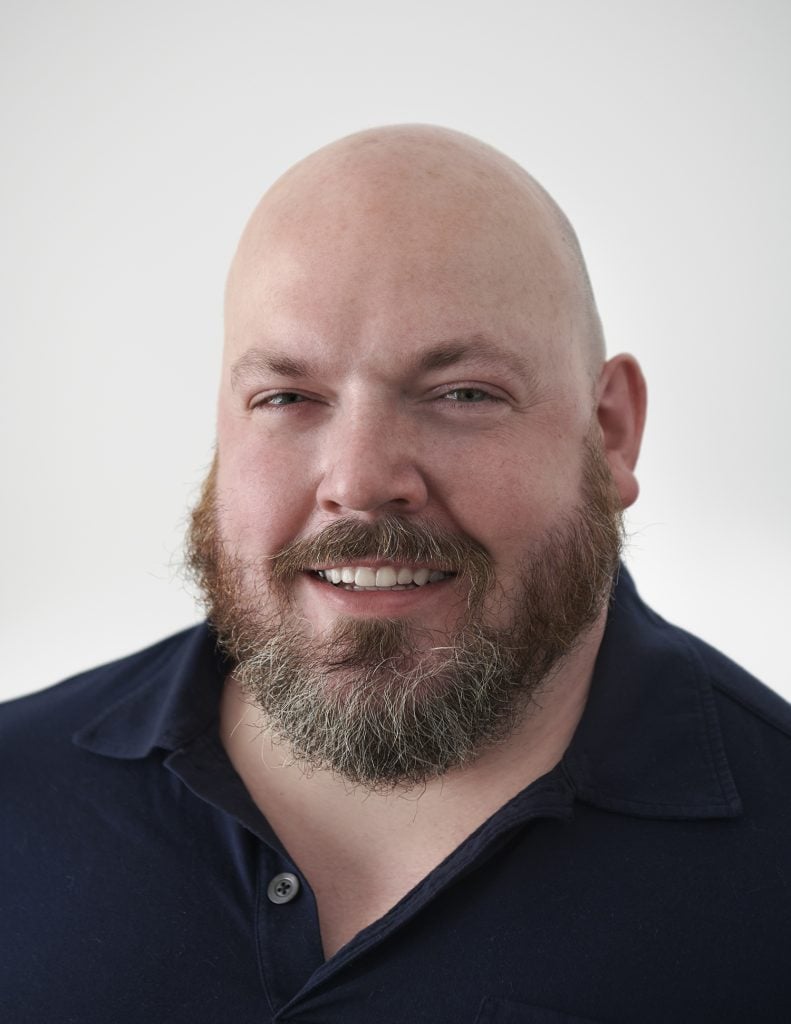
{"x": 284, "y": 918}
{"x": 288, "y": 938}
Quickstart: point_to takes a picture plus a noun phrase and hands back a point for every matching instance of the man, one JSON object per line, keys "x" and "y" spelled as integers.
{"x": 434, "y": 760}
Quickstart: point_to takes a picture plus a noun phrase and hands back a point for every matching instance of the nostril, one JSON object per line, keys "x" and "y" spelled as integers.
{"x": 369, "y": 485}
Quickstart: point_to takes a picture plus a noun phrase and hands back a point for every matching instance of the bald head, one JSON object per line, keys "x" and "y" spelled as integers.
{"x": 440, "y": 201}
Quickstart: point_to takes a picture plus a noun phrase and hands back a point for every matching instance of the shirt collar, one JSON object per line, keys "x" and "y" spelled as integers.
{"x": 648, "y": 743}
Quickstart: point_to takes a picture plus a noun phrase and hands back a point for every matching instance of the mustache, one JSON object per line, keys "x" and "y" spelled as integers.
{"x": 389, "y": 538}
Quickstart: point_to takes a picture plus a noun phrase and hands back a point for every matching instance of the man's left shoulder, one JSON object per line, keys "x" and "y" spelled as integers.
{"x": 735, "y": 687}
{"x": 755, "y": 723}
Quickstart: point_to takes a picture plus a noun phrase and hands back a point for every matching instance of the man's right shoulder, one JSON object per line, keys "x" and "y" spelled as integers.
{"x": 67, "y": 705}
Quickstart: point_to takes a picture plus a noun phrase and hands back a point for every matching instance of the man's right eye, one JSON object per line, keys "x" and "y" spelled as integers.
{"x": 280, "y": 398}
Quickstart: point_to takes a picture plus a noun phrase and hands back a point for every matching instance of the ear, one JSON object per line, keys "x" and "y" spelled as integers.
{"x": 621, "y": 405}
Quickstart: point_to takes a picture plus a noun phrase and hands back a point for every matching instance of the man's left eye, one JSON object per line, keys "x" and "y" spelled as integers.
{"x": 466, "y": 396}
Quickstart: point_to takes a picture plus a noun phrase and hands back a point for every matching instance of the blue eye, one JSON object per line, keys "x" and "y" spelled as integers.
{"x": 280, "y": 399}
{"x": 468, "y": 396}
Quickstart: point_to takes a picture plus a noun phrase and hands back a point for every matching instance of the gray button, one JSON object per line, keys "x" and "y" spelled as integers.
{"x": 283, "y": 888}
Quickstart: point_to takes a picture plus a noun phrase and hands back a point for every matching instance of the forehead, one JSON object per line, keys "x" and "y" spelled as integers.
{"x": 311, "y": 332}
{"x": 395, "y": 295}
{"x": 393, "y": 268}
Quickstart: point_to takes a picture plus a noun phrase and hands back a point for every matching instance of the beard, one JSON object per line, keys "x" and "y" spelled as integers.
{"x": 384, "y": 703}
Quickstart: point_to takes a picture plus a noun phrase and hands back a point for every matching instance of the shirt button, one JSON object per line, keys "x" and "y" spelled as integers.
{"x": 283, "y": 888}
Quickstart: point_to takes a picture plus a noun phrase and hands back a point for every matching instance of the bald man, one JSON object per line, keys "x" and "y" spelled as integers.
{"x": 430, "y": 758}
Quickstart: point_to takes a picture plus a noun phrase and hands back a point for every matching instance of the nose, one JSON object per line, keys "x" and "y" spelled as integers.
{"x": 371, "y": 464}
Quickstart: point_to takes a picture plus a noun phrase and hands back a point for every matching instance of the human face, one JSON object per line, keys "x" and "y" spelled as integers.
{"x": 425, "y": 370}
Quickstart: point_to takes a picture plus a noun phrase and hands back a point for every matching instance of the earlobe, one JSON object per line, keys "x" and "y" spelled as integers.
{"x": 621, "y": 408}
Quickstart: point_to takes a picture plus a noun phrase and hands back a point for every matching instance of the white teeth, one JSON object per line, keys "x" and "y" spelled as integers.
{"x": 364, "y": 578}
{"x": 386, "y": 578}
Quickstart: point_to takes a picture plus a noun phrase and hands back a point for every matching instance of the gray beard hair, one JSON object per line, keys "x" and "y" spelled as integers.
{"x": 394, "y": 719}
{"x": 378, "y": 702}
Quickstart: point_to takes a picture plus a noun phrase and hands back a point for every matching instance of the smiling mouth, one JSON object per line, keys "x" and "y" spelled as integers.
{"x": 381, "y": 578}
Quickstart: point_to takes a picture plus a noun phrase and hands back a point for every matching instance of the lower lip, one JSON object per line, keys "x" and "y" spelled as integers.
{"x": 377, "y": 602}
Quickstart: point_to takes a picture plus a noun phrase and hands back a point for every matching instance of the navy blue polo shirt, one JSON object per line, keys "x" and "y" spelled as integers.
{"x": 646, "y": 878}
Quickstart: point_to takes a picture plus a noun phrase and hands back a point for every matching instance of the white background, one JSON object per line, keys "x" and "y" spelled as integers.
{"x": 136, "y": 139}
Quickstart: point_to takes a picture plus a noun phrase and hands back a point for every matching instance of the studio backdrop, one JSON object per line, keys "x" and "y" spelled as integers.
{"x": 136, "y": 140}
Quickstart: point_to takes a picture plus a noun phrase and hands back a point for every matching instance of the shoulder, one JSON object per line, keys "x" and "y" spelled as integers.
{"x": 673, "y": 709}
{"x": 754, "y": 725}
{"x": 738, "y": 694}
{"x": 738, "y": 689}
{"x": 59, "y": 710}
{"x": 735, "y": 690}
{"x": 756, "y": 728}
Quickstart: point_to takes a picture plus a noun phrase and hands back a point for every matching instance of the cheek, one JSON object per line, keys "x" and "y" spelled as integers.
{"x": 263, "y": 496}
{"x": 506, "y": 500}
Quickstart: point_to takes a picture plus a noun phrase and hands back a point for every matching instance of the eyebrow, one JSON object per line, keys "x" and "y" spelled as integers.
{"x": 477, "y": 347}
{"x": 258, "y": 360}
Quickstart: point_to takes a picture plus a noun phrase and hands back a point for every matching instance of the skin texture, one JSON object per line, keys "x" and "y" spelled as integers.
{"x": 409, "y": 330}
